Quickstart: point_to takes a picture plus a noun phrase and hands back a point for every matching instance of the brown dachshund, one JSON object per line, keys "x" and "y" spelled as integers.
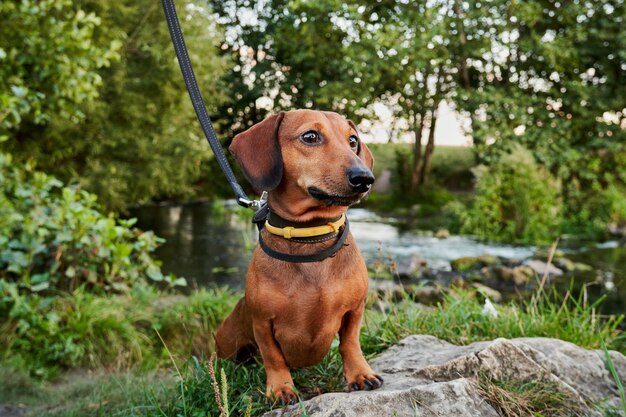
{"x": 314, "y": 166}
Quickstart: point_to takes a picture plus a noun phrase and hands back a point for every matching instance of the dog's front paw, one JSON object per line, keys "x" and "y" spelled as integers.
{"x": 365, "y": 381}
{"x": 283, "y": 396}
{"x": 280, "y": 390}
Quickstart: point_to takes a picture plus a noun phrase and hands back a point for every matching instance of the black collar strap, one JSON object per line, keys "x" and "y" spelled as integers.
{"x": 263, "y": 214}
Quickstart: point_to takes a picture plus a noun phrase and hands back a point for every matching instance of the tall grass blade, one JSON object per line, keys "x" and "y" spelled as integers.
{"x": 544, "y": 278}
{"x": 611, "y": 367}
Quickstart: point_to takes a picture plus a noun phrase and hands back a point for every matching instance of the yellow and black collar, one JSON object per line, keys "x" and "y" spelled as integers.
{"x": 315, "y": 230}
{"x": 310, "y": 232}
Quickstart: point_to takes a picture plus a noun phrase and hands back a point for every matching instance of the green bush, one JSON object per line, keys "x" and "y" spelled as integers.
{"x": 53, "y": 238}
{"x": 516, "y": 200}
{"x": 44, "y": 335}
{"x": 74, "y": 283}
{"x": 50, "y": 62}
{"x": 590, "y": 213}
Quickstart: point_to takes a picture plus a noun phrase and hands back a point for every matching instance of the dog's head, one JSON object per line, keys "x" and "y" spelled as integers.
{"x": 313, "y": 163}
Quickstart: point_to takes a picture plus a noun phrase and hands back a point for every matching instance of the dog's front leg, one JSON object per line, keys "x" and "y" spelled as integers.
{"x": 357, "y": 372}
{"x": 279, "y": 383}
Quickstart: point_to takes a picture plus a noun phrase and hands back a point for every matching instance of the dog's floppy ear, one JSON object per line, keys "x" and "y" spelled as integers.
{"x": 257, "y": 152}
{"x": 364, "y": 152}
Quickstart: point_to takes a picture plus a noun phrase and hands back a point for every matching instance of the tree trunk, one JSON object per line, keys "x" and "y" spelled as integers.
{"x": 419, "y": 109}
{"x": 430, "y": 146}
{"x": 463, "y": 71}
{"x": 417, "y": 151}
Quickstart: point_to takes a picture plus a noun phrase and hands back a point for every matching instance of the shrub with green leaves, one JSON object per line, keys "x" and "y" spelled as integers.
{"x": 71, "y": 278}
{"x": 53, "y": 238}
{"x": 44, "y": 335}
{"x": 589, "y": 213}
{"x": 49, "y": 61}
{"x": 516, "y": 200}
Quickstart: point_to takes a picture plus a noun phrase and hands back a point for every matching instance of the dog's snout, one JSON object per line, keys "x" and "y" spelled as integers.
{"x": 360, "y": 179}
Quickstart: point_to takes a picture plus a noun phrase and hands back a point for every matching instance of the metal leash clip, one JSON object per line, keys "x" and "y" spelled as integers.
{"x": 254, "y": 204}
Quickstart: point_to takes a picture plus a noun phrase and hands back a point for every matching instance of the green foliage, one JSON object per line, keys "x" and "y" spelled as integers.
{"x": 459, "y": 319}
{"x": 45, "y": 335}
{"x": 139, "y": 141}
{"x": 53, "y": 238}
{"x": 590, "y": 213}
{"x": 48, "y": 62}
{"x": 554, "y": 92}
{"x": 48, "y": 334}
{"x": 61, "y": 262}
{"x": 516, "y": 200}
{"x": 547, "y": 75}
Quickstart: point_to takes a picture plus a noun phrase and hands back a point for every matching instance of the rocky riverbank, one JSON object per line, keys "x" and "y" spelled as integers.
{"x": 496, "y": 277}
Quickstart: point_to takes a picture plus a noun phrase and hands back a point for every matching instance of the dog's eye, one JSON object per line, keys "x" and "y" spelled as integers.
{"x": 354, "y": 143}
{"x": 311, "y": 138}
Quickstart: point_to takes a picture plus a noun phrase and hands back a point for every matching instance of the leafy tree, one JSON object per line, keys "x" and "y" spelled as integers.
{"x": 140, "y": 141}
{"x": 49, "y": 63}
{"x": 553, "y": 80}
{"x": 343, "y": 56}
{"x": 290, "y": 55}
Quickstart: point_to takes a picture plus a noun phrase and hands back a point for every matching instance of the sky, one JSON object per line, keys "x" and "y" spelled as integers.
{"x": 448, "y": 132}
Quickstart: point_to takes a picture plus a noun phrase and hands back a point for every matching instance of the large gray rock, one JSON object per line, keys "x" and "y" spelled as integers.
{"x": 427, "y": 377}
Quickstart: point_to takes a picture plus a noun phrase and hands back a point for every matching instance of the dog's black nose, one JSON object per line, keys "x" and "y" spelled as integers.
{"x": 360, "y": 179}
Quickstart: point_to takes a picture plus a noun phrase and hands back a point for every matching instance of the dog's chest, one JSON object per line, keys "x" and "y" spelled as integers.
{"x": 308, "y": 326}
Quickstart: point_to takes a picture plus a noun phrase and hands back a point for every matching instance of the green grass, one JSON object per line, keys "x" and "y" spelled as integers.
{"x": 45, "y": 336}
{"x": 84, "y": 393}
{"x": 458, "y": 319}
{"x": 618, "y": 382}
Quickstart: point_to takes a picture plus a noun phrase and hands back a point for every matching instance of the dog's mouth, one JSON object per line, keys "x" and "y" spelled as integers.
{"x": 334, "y": 199}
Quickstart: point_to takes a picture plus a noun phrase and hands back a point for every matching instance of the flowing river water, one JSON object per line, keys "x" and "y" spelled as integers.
{"x": 211, "y": 245}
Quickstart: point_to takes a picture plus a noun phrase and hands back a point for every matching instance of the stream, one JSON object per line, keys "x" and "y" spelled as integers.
{"x": 211, "y": 245}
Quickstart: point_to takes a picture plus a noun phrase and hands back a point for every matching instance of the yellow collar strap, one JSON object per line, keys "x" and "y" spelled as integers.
{"x": 290, "y": 231}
